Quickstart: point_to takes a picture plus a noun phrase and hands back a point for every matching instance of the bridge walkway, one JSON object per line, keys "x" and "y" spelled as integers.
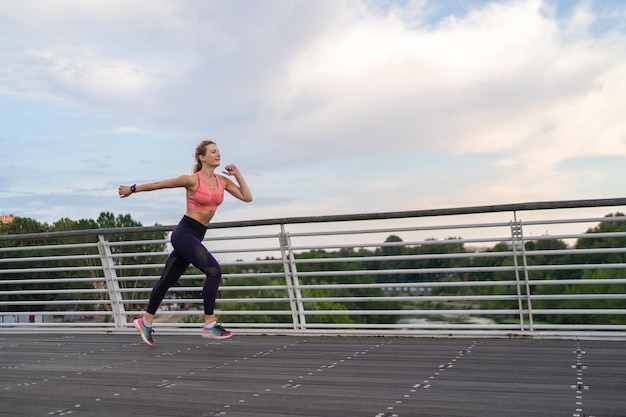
{"x": 287, "y": 376}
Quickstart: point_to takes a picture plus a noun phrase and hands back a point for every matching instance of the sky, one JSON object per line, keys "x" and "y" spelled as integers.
{"x": 326, "y": 106}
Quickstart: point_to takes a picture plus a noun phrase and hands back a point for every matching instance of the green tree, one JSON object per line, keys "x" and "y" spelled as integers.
{"x": 64, "y": 253}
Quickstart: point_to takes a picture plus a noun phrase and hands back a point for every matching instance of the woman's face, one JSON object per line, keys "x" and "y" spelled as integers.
{"x": 212, "y": 156}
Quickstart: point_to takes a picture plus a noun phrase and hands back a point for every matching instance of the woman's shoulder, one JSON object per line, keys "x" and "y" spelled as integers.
{"x": 224, "y": 180}
{"x": 188, "y": 179}
{"x": 192, "y": 177}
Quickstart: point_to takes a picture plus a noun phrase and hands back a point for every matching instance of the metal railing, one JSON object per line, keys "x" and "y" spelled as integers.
{"x": 461, "y": 271}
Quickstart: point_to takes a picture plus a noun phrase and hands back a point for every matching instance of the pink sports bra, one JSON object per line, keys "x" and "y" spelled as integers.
{"x": 205, "y": 199}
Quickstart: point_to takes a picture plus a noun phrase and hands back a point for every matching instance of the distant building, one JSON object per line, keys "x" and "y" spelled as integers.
{"x": 7, "y": 219}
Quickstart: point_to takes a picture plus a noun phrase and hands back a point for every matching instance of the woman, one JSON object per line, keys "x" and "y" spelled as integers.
{"x": 205, "y": 191}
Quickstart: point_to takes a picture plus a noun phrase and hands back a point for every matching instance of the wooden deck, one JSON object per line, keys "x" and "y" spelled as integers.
{"x": 280, "y": 376}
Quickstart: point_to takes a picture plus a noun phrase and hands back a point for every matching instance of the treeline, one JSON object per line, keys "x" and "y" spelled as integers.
{"x": 427, "y": 268}
{"x": 599, "y": 296}
{"x": 70, "y": 261}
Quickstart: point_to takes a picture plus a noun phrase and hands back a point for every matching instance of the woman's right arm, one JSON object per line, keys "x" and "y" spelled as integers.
{"x": 187, "y": 181}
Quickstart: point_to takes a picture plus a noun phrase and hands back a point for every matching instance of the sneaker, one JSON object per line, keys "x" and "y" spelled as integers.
{"x": 216, "y": 332}
{"x": 144, "y": 331}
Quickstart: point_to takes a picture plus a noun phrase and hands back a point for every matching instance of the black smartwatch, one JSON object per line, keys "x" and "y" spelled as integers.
{"x": 133, "y": 188}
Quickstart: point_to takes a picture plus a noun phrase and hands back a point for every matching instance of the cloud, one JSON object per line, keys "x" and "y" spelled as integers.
{"x": 468, "y": 85}
{"x": 317, "y": 101}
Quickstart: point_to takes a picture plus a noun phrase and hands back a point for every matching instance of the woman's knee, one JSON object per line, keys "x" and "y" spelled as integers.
{"x": 213, "y": 272}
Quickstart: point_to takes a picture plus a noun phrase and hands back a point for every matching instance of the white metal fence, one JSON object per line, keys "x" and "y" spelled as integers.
{"x": 463, "y": 271}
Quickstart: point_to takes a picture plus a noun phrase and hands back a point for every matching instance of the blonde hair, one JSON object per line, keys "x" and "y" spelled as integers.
{"x": 200, "y": 151}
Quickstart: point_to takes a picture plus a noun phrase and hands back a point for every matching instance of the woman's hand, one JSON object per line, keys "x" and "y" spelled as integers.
{"x": 231, "y": 169}
{"x": 124, "y": 191}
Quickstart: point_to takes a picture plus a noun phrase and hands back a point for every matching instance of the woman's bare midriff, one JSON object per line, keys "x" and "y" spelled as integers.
{"x": 201, "y": 216}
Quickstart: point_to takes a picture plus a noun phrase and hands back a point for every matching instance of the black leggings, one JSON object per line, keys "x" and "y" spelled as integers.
{"x": 188, "y": 249}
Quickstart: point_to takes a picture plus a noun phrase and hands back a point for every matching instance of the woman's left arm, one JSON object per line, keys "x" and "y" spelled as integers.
{"x": 239, "y": 190}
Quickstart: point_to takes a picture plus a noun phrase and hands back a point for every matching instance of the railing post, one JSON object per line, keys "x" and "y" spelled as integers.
{"x": 291, "y": 277}
{"x": 110, "y": 276}
{"x": 517, "y": 234}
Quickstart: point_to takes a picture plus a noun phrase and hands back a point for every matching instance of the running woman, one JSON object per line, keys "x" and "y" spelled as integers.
{"x": 205, "y": 192}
